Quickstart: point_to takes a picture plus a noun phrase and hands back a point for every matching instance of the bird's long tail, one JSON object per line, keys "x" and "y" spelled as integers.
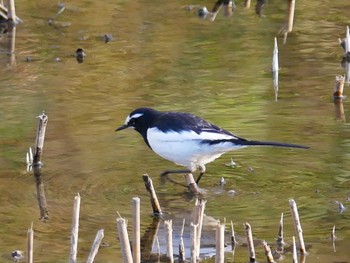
{"x": 276, "y": 144}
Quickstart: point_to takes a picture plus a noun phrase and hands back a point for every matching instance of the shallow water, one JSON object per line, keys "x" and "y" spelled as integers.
{"x": 165, "y": 57}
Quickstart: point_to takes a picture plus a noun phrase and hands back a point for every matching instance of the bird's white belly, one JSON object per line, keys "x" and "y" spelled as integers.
{"x": 186, "y": 149}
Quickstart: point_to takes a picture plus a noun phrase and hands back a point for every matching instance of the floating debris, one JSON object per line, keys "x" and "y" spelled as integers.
{"x": 222, "y": 181}
{"x": 80, "y": 55}
{"x": 232, "y": 164}
{"x": 203, "y": 12}
{"x": 341, "y": 207}
{"x": 107, "y": 38}
{"x": 17, "y": 255}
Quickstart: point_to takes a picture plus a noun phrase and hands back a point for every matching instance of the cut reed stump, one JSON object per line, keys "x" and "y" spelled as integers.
{"x": 30, "y": 243}
{"x": 169, "y": 239}
{"x": 75, "y": 230}
{"x": 198, "y": 215}
{"x": 250, "y": 243}
{"x": 95, "y": 246}
{"x": 124, "y": 240}
{"x": 280, "y": 238}
{"x": 220, "y": 243}
{"x": 194, "y": 244}
{"x": 182, "y": 255}
{"x": 268, "y": 253}
{"x": 338, "y": 87}
{"x": 157, "y": 211}
{"x": 275, "y": 68}
{"x": 297, "y": 226}
{"x": 289, "y": 20}
{"x": 136, "y": 245}
{"x": 36, "y": 164}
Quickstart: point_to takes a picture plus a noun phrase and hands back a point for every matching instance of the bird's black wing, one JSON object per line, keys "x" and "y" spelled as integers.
{"x": 179, "y": 121}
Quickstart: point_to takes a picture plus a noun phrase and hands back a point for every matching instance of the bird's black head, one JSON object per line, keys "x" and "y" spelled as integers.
{"x": 140, "y": 119}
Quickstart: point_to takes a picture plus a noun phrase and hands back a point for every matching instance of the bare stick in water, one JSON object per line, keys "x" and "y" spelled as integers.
{"x": 297, "y": 226}
{"x": 220, "y": 243}
{"x": 182, "y": 255}
{"x": 198, "y": 215}
{"x": 124, "y": 240}
{"x": 30, "y": 242}
{"x": 339, "y": 87}
{"x": 194, "y": 245}
{"x": 280, "y": 238}
{"x": 40, "y": 138}
{"x": 75, "y": 230}
{"x": 136, "y": 246}
{"x": 333, "y": 237}
{"x": 169, "y": 238}
{"x": 95, "y": 246}
{"x": 275, "y": 68}
{"x": 250, "y": 243}
{"x": 295, "y": 254}
{"x": 37, "y": 164}
{"x": 154, "y": 200}
{"x": 288, "y": 27}
{"x": 268, "y": 253}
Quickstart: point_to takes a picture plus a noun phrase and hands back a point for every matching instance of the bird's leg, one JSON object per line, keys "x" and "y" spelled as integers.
{"x": 202, "y": 171}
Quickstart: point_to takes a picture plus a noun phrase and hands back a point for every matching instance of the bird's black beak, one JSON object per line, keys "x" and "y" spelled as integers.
{"x": 122, "y": 127}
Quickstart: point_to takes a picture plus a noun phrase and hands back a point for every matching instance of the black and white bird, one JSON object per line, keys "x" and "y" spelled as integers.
{"x": 186, "y": 139}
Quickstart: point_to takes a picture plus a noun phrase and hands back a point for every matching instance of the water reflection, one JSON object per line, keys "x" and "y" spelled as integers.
{"x": 8, "y": 31}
